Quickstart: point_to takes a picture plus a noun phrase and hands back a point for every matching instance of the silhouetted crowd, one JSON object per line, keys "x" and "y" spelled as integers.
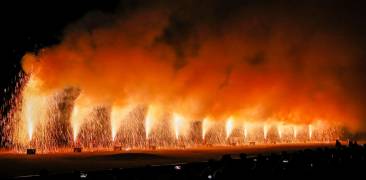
{"x": 337, "y": 162}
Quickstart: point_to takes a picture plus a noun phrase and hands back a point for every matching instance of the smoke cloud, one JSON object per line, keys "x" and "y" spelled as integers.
{"x": 249, "y": 60}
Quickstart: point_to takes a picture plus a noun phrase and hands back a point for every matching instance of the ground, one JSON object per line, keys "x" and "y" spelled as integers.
{"x": 19, "y": 164}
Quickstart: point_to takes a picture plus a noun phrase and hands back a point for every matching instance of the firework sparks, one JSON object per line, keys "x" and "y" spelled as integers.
{"x": 156, "y": 84}
{"x": 34, "y": 106}
{"x": 149, "y": 121}
{"x": 78, "y": 116}
{"x": 39, "y": 112}
{"x": 280, "y": 130}
{"x": 177, "y": 123}
{"x": 206, "y": 124}
{"x": 294, "y": 128}
{"x": 117, "y": 115}
{"x": 245, "y": 129}
{"x": 229, "y": 126}
{"x": 265, "y": 131}
{"x": 310, "y": 130}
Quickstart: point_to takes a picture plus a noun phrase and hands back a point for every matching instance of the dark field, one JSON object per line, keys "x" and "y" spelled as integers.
{"x": 20, "y": 164}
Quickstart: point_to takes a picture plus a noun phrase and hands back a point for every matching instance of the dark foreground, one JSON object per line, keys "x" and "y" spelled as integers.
{"x": 236, "y": 163}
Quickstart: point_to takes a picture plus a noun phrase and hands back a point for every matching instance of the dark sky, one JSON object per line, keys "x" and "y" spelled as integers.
{"x": 31, "y": 25}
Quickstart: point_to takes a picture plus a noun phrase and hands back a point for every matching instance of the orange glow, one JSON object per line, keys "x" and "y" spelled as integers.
{"x": 37, "y": 107}
{"x": 149, "y": 120}
{"x": 206, "y": 125}
{"x": 229, "y": 126}
{"x": 280, "y": 131}
{"x": 74, "y": 133}
{"x": 310, "y": 129}
{"x": 245, "y": 129}
{"x": 295, "y": 131}
{"x": 75, "y": 122}
{"x": 177, "y": 123}
{"x": 30, "y": 131}
{"x": 138, "y": 86}
{"x": 118, "y": 114}
{"x": 265, "y": 131}
{"x": 34, "y": 105}
{"x": 79, "y": 114}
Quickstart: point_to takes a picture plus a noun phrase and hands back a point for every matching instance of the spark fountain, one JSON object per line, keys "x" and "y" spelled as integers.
{"x": 95, "y": 127}
{"x": 265, "y": 132}
{"x": 229, "y": 127}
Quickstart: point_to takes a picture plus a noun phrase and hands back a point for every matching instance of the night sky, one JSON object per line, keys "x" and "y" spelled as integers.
{"x": 28, "y": 26}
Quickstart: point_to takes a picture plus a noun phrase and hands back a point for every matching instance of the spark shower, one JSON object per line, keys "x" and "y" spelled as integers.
{"x": 55, "y": 121}
{"x": 157, "y": 77}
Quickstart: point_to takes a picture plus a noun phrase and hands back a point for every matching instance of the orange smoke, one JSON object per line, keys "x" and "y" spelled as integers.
{"x": 249, "y": 66}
